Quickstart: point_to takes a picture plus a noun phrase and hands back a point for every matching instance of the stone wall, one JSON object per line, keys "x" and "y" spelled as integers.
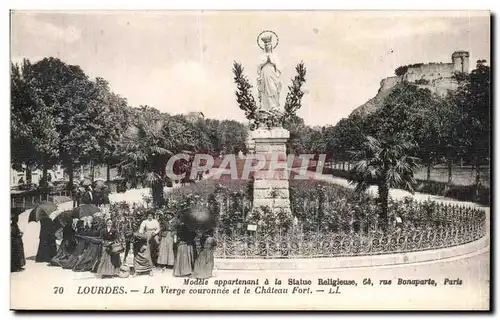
{"x": 430, "y": 71}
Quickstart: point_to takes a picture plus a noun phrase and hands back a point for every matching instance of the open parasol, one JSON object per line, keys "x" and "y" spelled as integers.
{"x": 85, "y": 210}
{"x": 44, "y": 209}
{"x": 63, "y": 218}
{"x": 199, "y": 218}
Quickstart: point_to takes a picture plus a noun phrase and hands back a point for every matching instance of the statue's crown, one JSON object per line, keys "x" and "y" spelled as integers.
{"x": 267, "y": 39}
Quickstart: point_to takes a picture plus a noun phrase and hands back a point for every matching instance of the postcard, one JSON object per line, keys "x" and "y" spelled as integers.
{"x": 250, "y": 160}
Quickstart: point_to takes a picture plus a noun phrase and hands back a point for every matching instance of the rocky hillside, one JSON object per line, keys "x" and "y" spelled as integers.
{"x": 439, "y": 85}
{"x": 387, "y": 85}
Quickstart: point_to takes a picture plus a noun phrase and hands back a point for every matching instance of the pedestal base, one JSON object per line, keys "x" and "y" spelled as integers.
{"x": 271, "y": 193}
{"x": 271, "y": 190}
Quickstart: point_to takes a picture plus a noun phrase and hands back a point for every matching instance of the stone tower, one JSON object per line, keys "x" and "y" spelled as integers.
{"x": 460, "y": 61}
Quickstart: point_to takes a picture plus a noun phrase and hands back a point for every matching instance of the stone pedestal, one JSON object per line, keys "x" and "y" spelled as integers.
{"x": 271, "y": 189}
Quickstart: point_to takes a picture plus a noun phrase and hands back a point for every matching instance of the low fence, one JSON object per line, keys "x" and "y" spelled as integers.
{"x": 27, "y": 201}
{"x": 459, "y": 230}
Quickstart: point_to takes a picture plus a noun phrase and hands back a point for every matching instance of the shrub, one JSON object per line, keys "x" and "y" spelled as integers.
{"x": 422, "y": 81}
{"x": 401, "y": 70}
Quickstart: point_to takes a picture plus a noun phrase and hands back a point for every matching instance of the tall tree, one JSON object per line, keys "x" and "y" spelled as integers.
{"x": 109, "y": 115}
{"x": 148, "y": 144}
{"x": 474, "y": 102}
{"x": 64, "y": 89}
{"x": 34, "y": 137}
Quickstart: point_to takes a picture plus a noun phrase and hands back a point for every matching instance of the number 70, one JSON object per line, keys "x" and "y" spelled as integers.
{"x": 58, "y": 290}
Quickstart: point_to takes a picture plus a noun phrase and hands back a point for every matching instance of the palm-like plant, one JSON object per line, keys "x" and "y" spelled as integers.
{"x": 147, "y": 146}
{"x": 387, "y": 164}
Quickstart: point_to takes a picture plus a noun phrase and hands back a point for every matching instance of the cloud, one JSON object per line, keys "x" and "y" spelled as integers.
{"x": 27, "y": 25}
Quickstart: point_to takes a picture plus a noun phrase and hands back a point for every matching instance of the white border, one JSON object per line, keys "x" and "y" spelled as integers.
{"x": 185, "y": 4}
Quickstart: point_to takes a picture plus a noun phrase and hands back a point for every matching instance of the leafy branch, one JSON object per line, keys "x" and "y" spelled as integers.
{"x": 244, "y": 96}
{"x": 294, "y": 97}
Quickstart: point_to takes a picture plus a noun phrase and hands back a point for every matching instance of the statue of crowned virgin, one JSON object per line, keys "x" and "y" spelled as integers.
{"x": 269, "y": 73}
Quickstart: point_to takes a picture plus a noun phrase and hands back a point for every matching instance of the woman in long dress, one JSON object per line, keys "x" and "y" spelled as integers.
{"x": 184, "y": 260}
{"x": 89, "y": 259}
{"x": 81, "y": 244}
{"x": 18, "y": 259}
{"x": 67, "y": 245}
{"x": 151, "y": 227}
{"x": 47, "y": 247}
{"x": 166, "y": 256}
{"x": 204, "y": 264}
{"x": 142, "y": 255}
{"x": 110, "y": 262}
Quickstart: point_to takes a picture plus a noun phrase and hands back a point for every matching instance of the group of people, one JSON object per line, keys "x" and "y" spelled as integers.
{"x": 167, "y": 244}
{"x": 87, "y": 195}
{"x": 98, "y": 243}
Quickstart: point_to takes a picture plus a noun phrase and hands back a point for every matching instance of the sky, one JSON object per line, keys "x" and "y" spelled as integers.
{"x": 181, "y": 61}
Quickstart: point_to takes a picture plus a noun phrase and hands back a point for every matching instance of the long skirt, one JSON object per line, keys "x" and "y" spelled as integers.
{"x": 89, "y": 259}
{"x": 18, "y": 259}
{"x": 204, "y": 264}
{"x": 153, "y": 248}
{"x": 142, "y": 260}
{"x": 109, "y": 264}
{"x": 184, "y": 261}
{"x": 166, "y": 255}
{"x": 63, "y": 253}
{"x": 46, "y": 249}
{"x": 71, "y": 261}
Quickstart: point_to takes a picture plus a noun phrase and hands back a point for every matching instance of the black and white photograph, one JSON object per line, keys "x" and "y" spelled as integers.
{"x": 250, "y": 160}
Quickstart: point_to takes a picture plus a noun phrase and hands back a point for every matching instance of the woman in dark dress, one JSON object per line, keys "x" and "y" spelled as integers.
{"x": 18, "y": 259}
{"x": 204, "y": 264}
{"x": 70, "y": 262}
{"x": 110, "y": 262}
{"x": 67, "y": 244}
{"x": 166, "y": 256}
{"x": 143, "y": 264}
{"x": 89, "y": 259}
{"x": 184, "y": 260}
{"x": 47, "y": 247}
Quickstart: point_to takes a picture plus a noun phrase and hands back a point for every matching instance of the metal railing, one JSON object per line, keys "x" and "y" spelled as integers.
{"x": 459, "y": 227}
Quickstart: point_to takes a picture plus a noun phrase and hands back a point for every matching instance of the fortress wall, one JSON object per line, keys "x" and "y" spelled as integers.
{"x": 431, "y": 71}
{"x": 441, "y": 86}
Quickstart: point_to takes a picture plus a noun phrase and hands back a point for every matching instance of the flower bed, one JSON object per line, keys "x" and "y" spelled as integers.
{"x": 327, "y": 221}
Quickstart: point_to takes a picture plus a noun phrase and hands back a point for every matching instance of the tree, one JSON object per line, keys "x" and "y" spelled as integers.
{"x": 385, "y": 163}
{"x": 346, "y": 136}
{"x": 297, "y": 128}
{"x": 64, "y": 90}
{"x": 474, "y": 102}
{"x": 149, "y": 143}
{"x": 34, "y": 138}
{"x": 109, "y": 116}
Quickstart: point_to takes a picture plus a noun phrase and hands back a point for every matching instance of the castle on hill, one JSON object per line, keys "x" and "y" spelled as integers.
{"x": 437, "y": 77}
